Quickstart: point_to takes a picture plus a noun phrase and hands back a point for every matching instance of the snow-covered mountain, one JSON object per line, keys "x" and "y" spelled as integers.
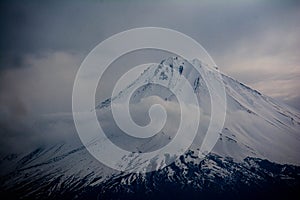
{"x": 258, "y": 149}
{"x": 256, "y": 125}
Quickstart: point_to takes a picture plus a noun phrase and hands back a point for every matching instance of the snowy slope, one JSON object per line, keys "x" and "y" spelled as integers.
{"x": 256, "y": 127}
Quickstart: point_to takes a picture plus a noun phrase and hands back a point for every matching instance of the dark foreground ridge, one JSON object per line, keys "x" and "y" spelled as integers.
{"x": 213, "y": 178}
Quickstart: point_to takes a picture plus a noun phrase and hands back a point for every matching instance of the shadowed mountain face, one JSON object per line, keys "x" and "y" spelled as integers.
{"x": 257, "y": 154}
{"x": 214, "y": 177}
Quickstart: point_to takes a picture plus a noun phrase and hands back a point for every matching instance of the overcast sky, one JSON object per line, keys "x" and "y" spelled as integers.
{"x": 43, "y": 44}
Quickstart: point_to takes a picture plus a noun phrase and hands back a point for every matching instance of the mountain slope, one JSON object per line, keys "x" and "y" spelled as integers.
{"x": 255, "y": 125}
{"x": 258, "y": 133}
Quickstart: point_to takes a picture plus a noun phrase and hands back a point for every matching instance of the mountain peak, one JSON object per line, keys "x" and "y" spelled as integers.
{"x": 247, "y": 110}
{"x": 177, "y": 63}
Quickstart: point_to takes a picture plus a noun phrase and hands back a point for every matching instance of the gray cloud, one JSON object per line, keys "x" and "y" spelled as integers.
{"x": 42, "y": 86}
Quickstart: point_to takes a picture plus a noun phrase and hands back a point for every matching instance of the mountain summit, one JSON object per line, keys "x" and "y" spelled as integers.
{"x": 257, "y": 151}
{"x": 256, "y": 125}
